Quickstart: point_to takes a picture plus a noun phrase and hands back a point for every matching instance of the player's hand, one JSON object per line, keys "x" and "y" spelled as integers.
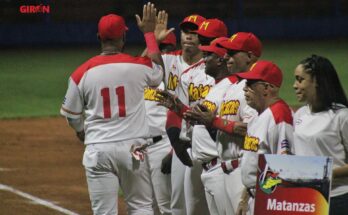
{"x": 200, "y": 114}
{"x": 166, "y": 166}
{"x": 243, "y": 207}
{"x": 168, "y": 100}
{"x": 148, "y": 22}
{"x": 180, "y": 147}
{"x": 240, "y": 128}
{"x": 161, "y": 31}
{"x": 138, "y": 151}
{"x": 81, "y": 135}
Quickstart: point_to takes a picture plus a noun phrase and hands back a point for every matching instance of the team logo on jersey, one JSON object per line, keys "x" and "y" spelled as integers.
{"x": 209, "y": 105}
{"x": 197, "y": 93}
{"x": 229, "y": 108}
{"x": 251, "y": 143}
{"x": 150, "y": 94}
{"x": 172, "y": 82}
{"x": 269, "y": 181}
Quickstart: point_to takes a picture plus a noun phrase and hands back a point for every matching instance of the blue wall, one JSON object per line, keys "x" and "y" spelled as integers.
{"x": 266, "y": 28}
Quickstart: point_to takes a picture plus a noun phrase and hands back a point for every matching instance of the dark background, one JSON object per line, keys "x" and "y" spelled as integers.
{"x": 74, "y": 22}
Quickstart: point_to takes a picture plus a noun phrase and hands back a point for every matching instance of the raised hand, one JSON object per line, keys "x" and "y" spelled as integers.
{"x": 161, "y": 31}
{"x": 148, "y": 22}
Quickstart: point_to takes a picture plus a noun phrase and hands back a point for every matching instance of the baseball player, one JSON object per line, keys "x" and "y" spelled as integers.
{"x": 321, "y": 125}
{"x": 104, "y": 105}
{"x": 269, "y": 132}
{"x": 194, "y": 86}
{"x": 159, "y": 141}
{"x": 242, "y": 50}
{"x": 175, "y": 63}
{"x": 203, "y": 146}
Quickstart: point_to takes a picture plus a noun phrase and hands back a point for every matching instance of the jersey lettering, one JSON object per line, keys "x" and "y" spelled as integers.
{"x": 229, "y": 108}
{"x": 172, "y": 82}
{"x": 251, "y": 143}
{"x": 150, "y": 94}
{"x": 105, "y": 93}
{"x": 197, "y": 93}
{"x": 209, "y": 105}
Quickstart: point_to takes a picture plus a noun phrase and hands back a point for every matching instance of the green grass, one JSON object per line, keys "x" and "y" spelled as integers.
{"x": 33, "y": 81}
{"x": 288, "y": 54}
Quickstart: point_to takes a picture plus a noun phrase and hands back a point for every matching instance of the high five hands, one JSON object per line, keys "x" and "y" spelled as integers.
{"x": 152, "y": 23}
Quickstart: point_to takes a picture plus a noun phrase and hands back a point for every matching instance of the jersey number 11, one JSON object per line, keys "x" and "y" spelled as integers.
{"x": 105, "y": 93}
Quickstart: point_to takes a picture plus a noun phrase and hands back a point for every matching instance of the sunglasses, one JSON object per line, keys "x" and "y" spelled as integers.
{"x": 250, "y": 82}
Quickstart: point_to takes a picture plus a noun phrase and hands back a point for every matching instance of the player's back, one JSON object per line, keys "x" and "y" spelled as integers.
{"x": 112, "y": 88}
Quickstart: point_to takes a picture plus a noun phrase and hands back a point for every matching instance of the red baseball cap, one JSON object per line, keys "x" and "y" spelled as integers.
{"x": 214, "y": 48}
{"x": 212, "y": 28}
{"x": 265, "y": 71}
{"x": 170, "y": 39}
{"x": 111, "y": 26}
{"x": 243, "y": 41}
{"x": 193, "y": 22}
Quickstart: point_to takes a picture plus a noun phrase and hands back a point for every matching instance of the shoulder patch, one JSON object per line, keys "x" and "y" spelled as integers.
{"x": 106, "y": 59}
{"x": 281, "y": 112}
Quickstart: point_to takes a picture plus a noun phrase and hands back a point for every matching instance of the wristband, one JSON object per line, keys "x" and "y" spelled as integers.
{"x": 223, "y": 125}
{"x": 173, "y": 120}
{"x": 151, "y": 44}
{"x": 183, "y": 110}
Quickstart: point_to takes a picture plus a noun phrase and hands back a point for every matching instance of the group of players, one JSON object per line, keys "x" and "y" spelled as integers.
{"x": 202, "y": 114}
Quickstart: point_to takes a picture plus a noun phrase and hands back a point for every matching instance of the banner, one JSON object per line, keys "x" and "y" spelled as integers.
{"x": 293, "y": 185}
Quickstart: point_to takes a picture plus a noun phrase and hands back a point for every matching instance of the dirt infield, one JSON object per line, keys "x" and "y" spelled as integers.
{"x": 42, "y": 157}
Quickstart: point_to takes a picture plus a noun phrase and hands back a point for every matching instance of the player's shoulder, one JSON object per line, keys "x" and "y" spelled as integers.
{"x": 301, "y": 111}
{"x": 341, "y": 112}
{"x": 199, "y": 66}
{"x": 173, "y": 53}
{"x": 108, "y": 59}
{"x": 282, "y": 112}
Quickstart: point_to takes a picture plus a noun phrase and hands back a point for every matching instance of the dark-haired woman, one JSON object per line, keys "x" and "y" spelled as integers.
{"x": 321, "y": 126}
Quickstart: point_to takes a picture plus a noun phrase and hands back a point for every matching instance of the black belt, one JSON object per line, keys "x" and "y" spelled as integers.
{"x": 157, "y": 139}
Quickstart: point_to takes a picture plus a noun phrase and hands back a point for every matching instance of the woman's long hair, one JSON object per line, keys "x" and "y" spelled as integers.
{"x": 330, "y": 92}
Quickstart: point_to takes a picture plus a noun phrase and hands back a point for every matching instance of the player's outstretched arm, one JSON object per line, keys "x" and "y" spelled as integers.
{"x": 161, "y": 31}
{"x": 171, "y": 102}
{"x": 209, "y": 118}
{"x": 147, "y": 25}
